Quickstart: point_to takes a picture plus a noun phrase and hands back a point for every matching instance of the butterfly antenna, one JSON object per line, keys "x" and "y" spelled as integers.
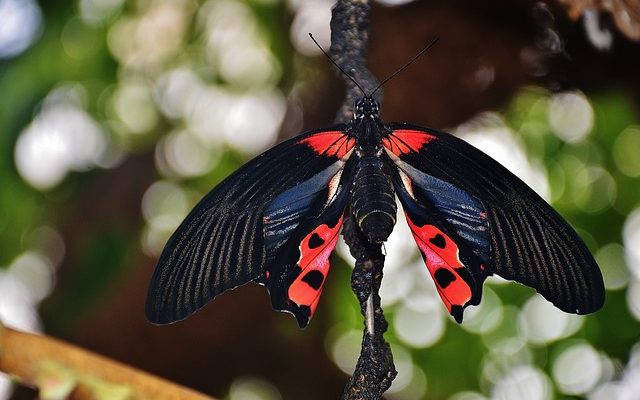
{"x": 337, "y": 66}
{"x": 406, "y": 65}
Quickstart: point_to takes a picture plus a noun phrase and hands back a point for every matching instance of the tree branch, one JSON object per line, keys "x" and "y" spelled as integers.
{"x": 60, "y": 370}
{"x": 349, "y": 41}
{"x": 375, "y": 370}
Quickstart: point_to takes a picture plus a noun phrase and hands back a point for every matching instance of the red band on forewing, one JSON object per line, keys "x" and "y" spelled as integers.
{"x": 403, "y": 141}
{"x": 330, "y": 143}
{"x": 315, "y": 250}
{"x": 442, "y": 260}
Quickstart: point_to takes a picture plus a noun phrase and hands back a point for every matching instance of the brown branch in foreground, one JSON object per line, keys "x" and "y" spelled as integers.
{"x": 375, "y": 370}
{"x": 61, "y": 370}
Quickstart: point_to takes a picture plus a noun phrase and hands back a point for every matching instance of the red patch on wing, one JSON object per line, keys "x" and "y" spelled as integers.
{"x": 330, "y": 143}
{"x": 440, "y": 254}
{"x": 403, "y": 141}
{"x": 315, "y": 250}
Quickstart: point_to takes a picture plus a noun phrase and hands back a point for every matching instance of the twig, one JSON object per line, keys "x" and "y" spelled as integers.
{"x": 375, "y": 370}
{"x": 349, "y": 40}
{"x": 60, "y": 370}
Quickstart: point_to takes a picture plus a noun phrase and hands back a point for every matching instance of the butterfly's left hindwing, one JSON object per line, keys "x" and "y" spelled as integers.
{"x": 299, "y": 267}
{"x": 239, "y": 228}
{"x": 311, "y": 222}
{"x": 488, "y": 210}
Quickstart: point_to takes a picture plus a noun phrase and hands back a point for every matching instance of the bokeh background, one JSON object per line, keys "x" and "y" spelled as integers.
{"x": 116, "y": 116}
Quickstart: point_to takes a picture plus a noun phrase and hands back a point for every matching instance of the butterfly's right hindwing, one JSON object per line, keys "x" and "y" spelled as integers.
{"x": 448, "y": 236}
{"x": 221, "y": 244}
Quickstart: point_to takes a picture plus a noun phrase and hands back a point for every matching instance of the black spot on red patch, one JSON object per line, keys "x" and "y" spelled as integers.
{"x": 314, "y": 279}
{"x": 438, "y": 241}
{"x": 315, "y": 241}
{"x": 444, "y": 277}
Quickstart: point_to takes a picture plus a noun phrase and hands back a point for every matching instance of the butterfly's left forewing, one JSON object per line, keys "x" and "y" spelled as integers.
{"x": 238, "y": 230}
{"x": 487, "y": 210}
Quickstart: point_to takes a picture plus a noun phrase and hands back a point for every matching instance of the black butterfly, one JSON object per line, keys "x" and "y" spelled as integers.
{"x": 276, "y": 221}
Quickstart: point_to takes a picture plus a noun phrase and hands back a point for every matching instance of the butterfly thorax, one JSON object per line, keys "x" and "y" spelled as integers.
{"x": 366, "y": 125}
{"x": 372, "y": 197}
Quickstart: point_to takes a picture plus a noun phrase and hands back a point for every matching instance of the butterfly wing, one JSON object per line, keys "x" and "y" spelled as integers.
{"x": 300, "y": 265}
{"x": 240, "y": 227}
{"x": 502, "y": 221}
{"x": 457, "y": 271}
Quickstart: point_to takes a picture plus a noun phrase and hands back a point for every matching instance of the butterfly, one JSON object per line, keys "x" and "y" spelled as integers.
{"x": 277, "y": 219}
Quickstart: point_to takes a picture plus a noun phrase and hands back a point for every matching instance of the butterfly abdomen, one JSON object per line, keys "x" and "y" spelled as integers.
{"x": 373, "y": 200}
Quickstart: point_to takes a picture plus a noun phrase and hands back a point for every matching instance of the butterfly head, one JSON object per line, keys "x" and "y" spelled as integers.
{"x": 366, "y": 108}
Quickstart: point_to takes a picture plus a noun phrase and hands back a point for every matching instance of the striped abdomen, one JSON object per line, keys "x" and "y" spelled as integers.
{"x": 373, "y": 200}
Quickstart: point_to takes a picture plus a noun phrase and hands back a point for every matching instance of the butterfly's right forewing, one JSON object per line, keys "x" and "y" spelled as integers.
{"x": 510, "y": 228}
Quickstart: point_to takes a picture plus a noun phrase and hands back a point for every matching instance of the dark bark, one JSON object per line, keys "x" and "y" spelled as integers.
{"x": 375, "y": 370}
{"x": 349, "y": 41}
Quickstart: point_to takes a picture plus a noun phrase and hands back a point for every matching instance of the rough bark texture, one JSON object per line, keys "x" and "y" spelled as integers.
{"x": 375, "y": 370}
{"x": 349, "y": 42}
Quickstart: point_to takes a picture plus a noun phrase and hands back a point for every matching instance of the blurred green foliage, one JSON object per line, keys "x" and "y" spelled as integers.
{"x": 593, "y": 180}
